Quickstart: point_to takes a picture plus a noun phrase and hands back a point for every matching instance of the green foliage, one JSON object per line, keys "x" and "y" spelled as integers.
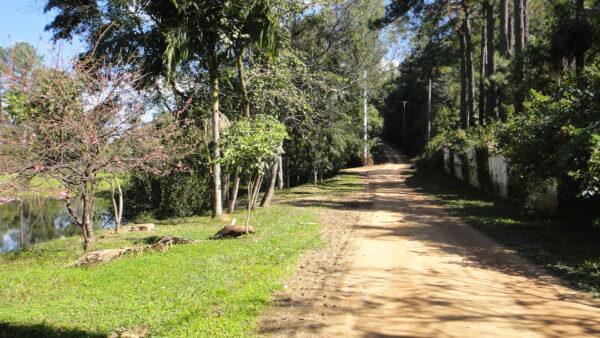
{"x": 304, "y": 67}
{"x": 557, "y": 135}
{"x": 179, "y": 194}
{"x": 460, "y": 141}
{"x": 590, "y": 178}
{"x": 22, "y": 58}
{"x": 248, "y": 145}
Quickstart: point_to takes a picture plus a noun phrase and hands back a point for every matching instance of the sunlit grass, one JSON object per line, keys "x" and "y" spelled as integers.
{"x": 210, "y": 288}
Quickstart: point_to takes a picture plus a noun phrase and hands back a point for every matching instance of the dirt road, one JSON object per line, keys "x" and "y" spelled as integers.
{"x": 413, "y": 270}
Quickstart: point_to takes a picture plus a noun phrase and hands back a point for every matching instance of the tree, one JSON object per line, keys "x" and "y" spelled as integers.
{"x": 247, "y": 146}
{"x": 519, "y": 31}
{"x": 21, "y": 59}
{"x": 258, "y": 27}
{"x": 505, "y": 52}
{"x": 490, "y": 64}
{"x": 361, "y": 55}
{"x": 468, "y": 50}
{"x": 504, "y": 38}
{"x": 167, "y": 38}
{"x": 80, "y": 124}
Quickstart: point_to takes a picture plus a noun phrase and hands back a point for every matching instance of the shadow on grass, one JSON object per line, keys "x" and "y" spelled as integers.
{"x": 566, "y": 247}
{"x": 8, "y": 330}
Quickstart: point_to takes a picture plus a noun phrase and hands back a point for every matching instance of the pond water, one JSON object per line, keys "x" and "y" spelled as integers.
{"x": 36, "y": 220}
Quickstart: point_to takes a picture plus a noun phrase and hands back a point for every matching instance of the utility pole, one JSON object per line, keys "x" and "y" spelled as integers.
{"x": 429, "y": 111}
{"x": 365, "y": 123}
{"x": 404, "y": 123}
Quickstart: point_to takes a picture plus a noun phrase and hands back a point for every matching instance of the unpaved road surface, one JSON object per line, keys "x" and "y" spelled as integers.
{"x": 408, "y": 269}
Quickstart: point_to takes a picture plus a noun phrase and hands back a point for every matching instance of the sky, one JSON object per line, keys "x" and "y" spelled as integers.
{"x": 24, "y": 21}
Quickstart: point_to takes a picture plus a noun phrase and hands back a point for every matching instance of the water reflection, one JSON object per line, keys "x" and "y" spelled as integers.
{"x": 37, "y": 220}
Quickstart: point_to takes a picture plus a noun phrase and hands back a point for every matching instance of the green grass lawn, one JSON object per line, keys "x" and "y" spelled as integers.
{"x": 49, "y": 187}
{"x": 566, "y": 248}
{"x": 210, "y": 288}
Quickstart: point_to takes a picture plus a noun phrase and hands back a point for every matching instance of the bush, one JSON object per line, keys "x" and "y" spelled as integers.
{"x": 179, "y": 194}
{"x": 558, "y": 137}
{"x": 480, "y": 139}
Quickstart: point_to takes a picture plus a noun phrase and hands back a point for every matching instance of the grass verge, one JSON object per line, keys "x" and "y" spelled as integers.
{"x": 211, "y": 288}
{"x": 563, "y": 247}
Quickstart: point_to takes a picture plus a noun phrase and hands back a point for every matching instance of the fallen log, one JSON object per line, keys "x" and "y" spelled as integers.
{"x": 142, "y": 227}
{"x": 232, "y": 231}
{"x": 140, "y": 332}
{"x": 105, "y": 255}
{"x": 164, "y": 243}
{"x": 161, "y": 244}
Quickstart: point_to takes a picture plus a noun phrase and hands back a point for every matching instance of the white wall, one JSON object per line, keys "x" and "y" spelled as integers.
{"x": 458, "y": 173}
{"x": 498, "y": 172}
{"x": 447, "y": 168}
{"x": 472, "y": 163}
{"x": 498, "y": 175}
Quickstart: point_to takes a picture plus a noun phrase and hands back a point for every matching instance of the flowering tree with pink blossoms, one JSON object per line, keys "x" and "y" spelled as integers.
{"x": 76, "y": 126}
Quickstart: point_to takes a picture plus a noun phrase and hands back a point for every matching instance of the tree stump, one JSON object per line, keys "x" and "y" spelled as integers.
{"x": 232, "y": 231}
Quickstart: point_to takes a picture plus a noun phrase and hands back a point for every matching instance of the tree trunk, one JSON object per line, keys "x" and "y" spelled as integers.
{"x": 234, "y": 192}
{"x": 428, "y": 131}
{"x": 504, "y": 39}
{"x": 315, "y": 175}
{"x": 240, "y": 69}
{"x": 256, "y": 192}
{"x": 470, "y": 72}
{"x": 525, "y": 22}
{"x": 464, "y": 117}
{"x": 519, "y": 44}
{"x": 505, "y": 51}
{"x": 22, "y": 225}
{"x": 579, "y": 51}
{"x": 482, "y": 76}
{"x": 404, "y": 123}
{"x": 490, "y": 64}
{"x": 225, "y": 181}
{"x": 287, "y": 177}
{"x": 86, "y": 225}
{"x": 268, "y": 197}
{"x": 251, "y": 188}
{"x": 511, "y": 35}
{"x": 321, "y": 178}
{"x": 216, "y": 153}
{"x": 280, "y": 172}
{"x": 117, "y": 203}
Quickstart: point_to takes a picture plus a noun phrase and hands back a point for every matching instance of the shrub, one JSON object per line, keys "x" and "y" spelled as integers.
{"x": 557, "y": 137}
